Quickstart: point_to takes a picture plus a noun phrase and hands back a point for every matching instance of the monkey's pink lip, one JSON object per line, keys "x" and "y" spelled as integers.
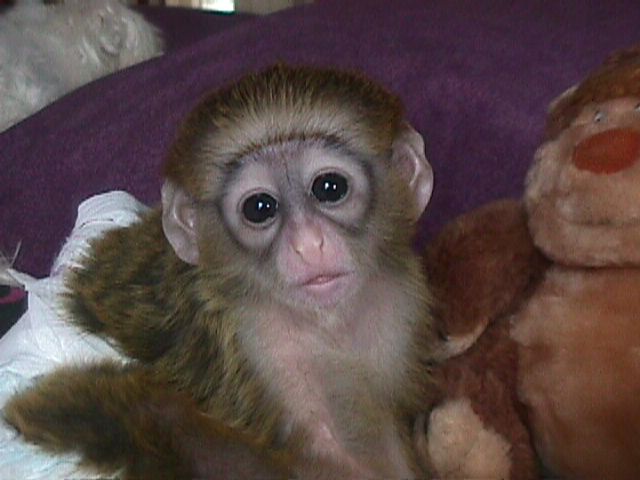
{"x": 323, "y": 279}
{"x": 326, "y": 288}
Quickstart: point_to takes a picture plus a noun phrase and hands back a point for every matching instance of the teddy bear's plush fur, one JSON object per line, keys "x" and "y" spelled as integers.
{"x": 482, "y": 265}
{"x": 579, "y": 333}
{"x": 553, "y": 330}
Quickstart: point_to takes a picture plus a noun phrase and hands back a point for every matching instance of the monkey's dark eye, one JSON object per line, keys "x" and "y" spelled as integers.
{"x": 259, "y": 208}
{"x": 330, "y": 187}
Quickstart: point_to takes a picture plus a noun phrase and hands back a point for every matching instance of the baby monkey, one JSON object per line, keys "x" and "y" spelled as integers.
{"x": 277, "y": 319}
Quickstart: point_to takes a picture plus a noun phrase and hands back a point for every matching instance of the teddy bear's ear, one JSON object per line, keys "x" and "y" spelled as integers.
{"x": 560, "y": 112}
{"x": 561, "y": 98}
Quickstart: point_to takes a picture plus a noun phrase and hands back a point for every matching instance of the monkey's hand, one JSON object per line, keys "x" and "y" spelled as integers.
{"x": 119, "y": 420}
{"x": 480, "y": 266}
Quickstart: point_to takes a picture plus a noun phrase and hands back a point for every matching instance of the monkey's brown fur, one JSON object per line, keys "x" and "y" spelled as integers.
{"x": 264, "y": 109}
{"x": 180, "y": 323}
{"x": 119, "y": 416}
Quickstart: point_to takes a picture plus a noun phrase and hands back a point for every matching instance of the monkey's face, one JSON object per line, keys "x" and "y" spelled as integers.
{"x": 298, "y": 216}
{"x": 582, "y": 193}
{"x": 296, "y": 184}
{"x": 305, "y": 222}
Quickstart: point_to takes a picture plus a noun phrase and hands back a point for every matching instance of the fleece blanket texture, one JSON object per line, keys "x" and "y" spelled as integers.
{"x": 476, "y": 78}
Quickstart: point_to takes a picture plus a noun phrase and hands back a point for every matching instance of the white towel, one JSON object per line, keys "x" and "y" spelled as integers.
{"x": 42, "y": 340}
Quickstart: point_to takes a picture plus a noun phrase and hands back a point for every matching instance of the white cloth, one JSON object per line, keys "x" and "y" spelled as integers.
{"x": 41, "y": 340}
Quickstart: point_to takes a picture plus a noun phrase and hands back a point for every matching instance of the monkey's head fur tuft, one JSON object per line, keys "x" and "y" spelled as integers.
{"x": 280, "y": 104}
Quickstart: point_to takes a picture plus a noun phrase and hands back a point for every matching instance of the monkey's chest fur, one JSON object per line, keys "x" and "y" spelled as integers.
{"x": 334, "y": 384}
{"x": 337, "y": 384}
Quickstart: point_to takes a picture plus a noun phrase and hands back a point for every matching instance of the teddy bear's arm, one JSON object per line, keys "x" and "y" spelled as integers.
{"x": 480, "y": 266}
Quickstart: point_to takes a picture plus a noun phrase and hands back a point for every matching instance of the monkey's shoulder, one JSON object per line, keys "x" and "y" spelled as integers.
{"x": 125, "y": 284}
{"x": 133, "y": 254}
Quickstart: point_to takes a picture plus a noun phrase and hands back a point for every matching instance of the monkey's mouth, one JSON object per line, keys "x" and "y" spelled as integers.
{"x": 327, "y": 286}
{"x": 323, "y": 279}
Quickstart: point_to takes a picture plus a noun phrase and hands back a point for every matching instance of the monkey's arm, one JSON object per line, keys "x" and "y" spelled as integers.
{"x": 480, "y": 265}
{"x": 119, "y": 420}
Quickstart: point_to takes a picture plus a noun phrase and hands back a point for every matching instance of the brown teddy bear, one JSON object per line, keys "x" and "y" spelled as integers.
{"x": 482, "y": 266}
{"x": 578, "y": 334}
{"x": 554, "y": 339}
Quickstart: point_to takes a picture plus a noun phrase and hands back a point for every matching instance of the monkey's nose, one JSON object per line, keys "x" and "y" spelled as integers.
{"x": 308, "y": 242}
{"x": 608, "y": 152}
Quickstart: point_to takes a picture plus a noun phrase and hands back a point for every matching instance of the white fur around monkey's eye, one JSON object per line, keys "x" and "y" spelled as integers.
{"x": 252, "y": 213}
{"x": 637, "y": 107}
{"x": 337, "y": 185}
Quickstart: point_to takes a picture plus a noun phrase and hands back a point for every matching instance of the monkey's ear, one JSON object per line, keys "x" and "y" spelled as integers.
{"x": 179, "y": 222}
{"x": 409, "y": 157}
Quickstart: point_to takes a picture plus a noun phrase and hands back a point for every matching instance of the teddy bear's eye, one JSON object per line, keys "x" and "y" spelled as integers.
{"x": 598, "y": 116}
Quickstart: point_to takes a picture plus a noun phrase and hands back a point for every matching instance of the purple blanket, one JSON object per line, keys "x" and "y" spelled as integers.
{"x": 476, "y": 78}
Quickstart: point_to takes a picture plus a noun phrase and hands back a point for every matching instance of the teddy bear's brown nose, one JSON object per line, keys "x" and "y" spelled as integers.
{"x": 608, "y": 152}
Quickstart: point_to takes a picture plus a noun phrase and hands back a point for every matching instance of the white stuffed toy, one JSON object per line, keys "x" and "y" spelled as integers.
{"x": 48, "y": 50}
